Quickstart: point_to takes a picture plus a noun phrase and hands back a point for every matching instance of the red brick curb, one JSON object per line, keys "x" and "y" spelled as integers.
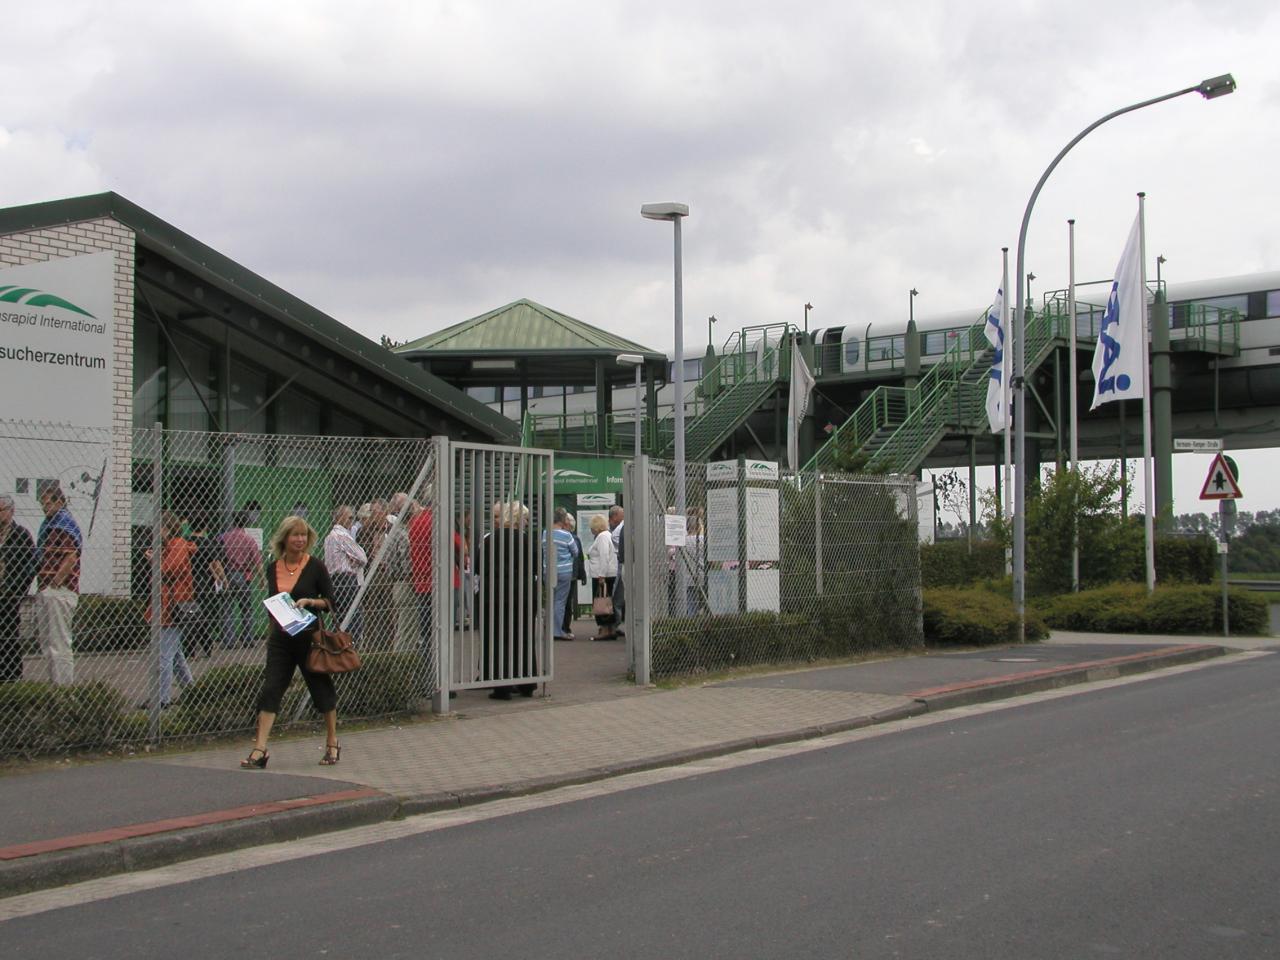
{"x": 179, "y": 823}
{"x": 1052, "y": 671}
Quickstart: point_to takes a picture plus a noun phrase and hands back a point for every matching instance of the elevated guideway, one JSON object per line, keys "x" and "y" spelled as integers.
{"x": 900, "y": 428}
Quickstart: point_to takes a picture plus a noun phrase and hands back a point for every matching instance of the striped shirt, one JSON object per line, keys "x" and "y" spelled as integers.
{"x": 341, "y": 552}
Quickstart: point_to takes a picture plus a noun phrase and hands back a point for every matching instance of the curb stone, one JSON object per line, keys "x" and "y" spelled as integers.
{"x": 40, "y": 872}
{"x": 985, "y": 691}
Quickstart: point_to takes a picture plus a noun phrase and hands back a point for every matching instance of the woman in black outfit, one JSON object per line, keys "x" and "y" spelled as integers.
{"x": 304, "y": 578}
{"x": 17, "y": 570}
{"x": 506, "y": 568}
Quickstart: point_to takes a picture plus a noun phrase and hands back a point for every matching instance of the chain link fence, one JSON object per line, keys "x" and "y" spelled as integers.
{"x": 767, "y": 566}
{"x": 134, "y": 573}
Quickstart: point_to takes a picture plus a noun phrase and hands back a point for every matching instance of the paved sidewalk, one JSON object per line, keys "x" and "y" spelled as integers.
{"x": 79, "y": 821}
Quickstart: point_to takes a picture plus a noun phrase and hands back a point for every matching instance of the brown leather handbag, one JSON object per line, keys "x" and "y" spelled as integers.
{"x": 332, "y": 651}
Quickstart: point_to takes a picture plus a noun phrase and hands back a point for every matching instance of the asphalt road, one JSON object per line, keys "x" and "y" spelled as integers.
{"x": 1136, "y": 821}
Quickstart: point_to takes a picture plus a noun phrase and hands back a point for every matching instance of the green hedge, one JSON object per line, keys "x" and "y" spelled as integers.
{"x": 39, "y": 718}
{"x": 1177, "y": 609}
{"x": 975, "y": 617}
{"x": 683, "y": 645}
{"x": 222, "y": 701}
{"x": 950, "y": 563}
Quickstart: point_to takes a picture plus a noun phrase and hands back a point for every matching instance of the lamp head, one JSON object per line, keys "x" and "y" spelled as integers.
{"x": 630, "y": 359}
{"x": 1217, "y": 86}
{"x": 664, "y": 211}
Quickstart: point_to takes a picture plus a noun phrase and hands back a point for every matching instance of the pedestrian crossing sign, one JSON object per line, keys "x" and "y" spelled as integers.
{"x": 1221, "y": 483}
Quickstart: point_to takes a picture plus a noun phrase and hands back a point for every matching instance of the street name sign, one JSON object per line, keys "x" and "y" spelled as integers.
{"x": 1198, "y": 446}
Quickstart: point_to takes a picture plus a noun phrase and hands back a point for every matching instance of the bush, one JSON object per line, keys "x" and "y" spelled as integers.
{"x": 103, "y": 624}
{"x": 222, "y": 701}
{"x": 1185, "y": 559}
{"x": 1177, "y": 609}
{"x": 975, "y": 617}
{"x": 40, "y": 718}
{"x": 950, "y": 563}
{"x": 387, "y": 683}
{"x": 839, "y": 627}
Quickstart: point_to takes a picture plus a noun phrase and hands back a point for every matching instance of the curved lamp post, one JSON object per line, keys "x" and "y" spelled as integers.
{"x": 1210, "y": 90}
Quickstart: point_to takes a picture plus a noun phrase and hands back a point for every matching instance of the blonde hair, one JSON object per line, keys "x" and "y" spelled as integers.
{"x": 286, "y": 527}
{"x": 599, "y": 524}
{"x": 514, "y": 514}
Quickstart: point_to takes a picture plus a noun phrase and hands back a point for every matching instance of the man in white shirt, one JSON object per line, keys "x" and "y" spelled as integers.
{"x": 345, "y": 560}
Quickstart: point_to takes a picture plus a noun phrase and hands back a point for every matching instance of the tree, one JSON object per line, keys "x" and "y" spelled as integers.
{"x": 1084, "y": 503}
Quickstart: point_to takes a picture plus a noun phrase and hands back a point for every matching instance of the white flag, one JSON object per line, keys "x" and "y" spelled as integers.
{"x": 798, "y": 405}
{"x": 1122, "y": 349}
{"x": 994, "y": 329}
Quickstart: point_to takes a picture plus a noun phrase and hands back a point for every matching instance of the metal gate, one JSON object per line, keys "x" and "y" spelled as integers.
{"x": 497, "y": 583}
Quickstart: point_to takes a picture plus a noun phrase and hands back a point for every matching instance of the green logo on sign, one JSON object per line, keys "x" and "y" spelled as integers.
{"x": 30, "y": 297}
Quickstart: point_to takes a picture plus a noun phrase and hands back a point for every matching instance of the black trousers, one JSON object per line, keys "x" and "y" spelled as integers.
{"x": 284, "y": 655}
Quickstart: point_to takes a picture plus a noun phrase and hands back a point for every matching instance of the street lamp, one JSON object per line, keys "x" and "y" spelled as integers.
{"x": 911, "y": 312}
{"x": 1161, "y": 260}
{"x": 637, "y": 361}
{"x": 807, "y": 308}
{"x": 710, "y": 340}
{"x": 1209, "y": 89}
{"x": 675, "y": 212}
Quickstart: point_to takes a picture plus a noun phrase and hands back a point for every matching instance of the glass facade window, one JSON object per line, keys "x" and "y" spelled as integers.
{"x": 148, "y": 376}
{"x": 297, "y": 413}
{"x": 1273, "y": 303}
{"x": 247, "y": 400}
{"x": 192, "y": 392}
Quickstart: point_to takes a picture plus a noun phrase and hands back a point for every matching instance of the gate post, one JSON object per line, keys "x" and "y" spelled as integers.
{"x": 637, "y": 569}
{"x": 442, "y": 599}
{"x": 157, "y": 547}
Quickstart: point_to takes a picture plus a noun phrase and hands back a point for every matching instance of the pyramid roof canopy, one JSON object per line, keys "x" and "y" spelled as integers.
{"x": 546, "y": 345}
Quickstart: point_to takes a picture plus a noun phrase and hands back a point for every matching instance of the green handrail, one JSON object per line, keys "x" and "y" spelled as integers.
{"x": 877, "y": 413}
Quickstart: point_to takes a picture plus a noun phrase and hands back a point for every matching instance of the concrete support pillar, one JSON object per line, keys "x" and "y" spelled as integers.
{"x": 1162, "y": 411}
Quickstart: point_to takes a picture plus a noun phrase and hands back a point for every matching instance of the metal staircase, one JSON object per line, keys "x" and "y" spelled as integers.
{"x": 744, "y": 378}
{"x": 895, "y": 427}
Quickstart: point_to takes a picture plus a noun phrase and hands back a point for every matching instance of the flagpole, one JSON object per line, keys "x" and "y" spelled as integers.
{"x": 1071, "y": 393}
{"x": 1005, "y": 393}
{"x": 1148, "y": 482}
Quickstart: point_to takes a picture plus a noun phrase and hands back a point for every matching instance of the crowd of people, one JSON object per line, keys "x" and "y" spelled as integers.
{"x": 372, "y": 573}
{"x": 50, "y": 560}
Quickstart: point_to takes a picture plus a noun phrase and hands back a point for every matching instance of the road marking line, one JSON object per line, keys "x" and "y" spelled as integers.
{"x": 119, "y": 885}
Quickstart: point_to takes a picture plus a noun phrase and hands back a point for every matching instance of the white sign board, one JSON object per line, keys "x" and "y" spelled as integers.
{"x": 762, "y": 524}
{"x": 1198, "y": 446}
{"x": 722, "y": 524}
{"x": 753, "y": 470}
{"x": 57, "y": 326}
{"x": 676, "y": 530}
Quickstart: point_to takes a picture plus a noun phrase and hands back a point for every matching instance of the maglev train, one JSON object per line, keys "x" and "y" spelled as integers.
{"x": 860, "y": 348}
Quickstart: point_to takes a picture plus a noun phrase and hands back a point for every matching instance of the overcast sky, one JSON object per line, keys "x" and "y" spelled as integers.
{"x": 403, "y": 166}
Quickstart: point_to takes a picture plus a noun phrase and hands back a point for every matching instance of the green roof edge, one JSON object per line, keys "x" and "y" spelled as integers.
{"x": 220, "y": 270}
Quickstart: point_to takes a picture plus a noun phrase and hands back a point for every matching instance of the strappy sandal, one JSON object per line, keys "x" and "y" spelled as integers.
{"x": 332, "y": 753}
{"x": 255, "y": 763}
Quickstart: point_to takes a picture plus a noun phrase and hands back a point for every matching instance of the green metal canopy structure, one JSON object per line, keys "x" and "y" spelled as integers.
{"x": 527, "y": 343}
{"x": 523, "y": 346}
